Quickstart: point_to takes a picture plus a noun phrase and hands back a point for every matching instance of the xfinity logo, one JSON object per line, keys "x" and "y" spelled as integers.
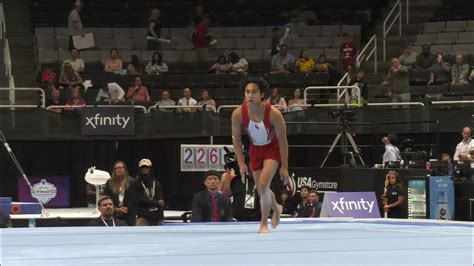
{"x": 313, "y": 184}
{"x": 350, "y": 205}
{"x": 98, "y": 120}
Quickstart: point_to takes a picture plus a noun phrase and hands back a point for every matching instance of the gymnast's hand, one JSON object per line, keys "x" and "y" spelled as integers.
{"x": 244, "y": 171}
{"x": 284, "y": 175}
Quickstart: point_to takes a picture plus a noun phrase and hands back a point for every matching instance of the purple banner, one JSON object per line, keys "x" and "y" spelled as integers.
{"x": 350, "y": 204}
{"x": 52, "y": 191}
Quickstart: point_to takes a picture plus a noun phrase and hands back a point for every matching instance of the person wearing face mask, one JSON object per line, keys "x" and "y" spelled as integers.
{"x": 149, "y": 197}
{"x": 106, "y": 209}
{"x": 439, "y": 71}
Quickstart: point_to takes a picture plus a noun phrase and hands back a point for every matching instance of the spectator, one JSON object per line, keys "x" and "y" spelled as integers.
{"x": 459, "y": 71}
{"x": 111, "y": 92}
{"x": 197, "y": 16}
{"x": 221, "y": 66}
{"x": 236, "y": 64}
{"x": 301, "y": 16}
{"x": 166, "y": 101}
{"x": 363, "y": 92}
{"x": 315, "y": 205}
{"x": 447, "y": 157}
{"x": 91, "y": 194}
{"x": 283, "y": 62}
{"x": 397, "y": 77}
{"x": 114, "y": 64}
{"x": 408, "y": 58}
{"x": 286, "y": 203}
{"x": 156, "y": 66}
{"x": 69, "y": 77}
{"x": 439, "y": 71}
{"x": 55, "y": 100}
{"x": 118, "y": 188}
{"x": 277, "y": 100}
{"x": 76, "y": 99}
{"x": 5, "y": 220}
{"x": 323, "y": 65}
{"x": 154, "y": 30}
{"x": 297, "y": 100}
{"x": 304, "y": 62}
{"x": 76, "y": 63}
{"x": 138, "y": 92}
{"x": 426, "y": 59}
{"x": 278, "y": 40}
{"x": 348, "y": 52}
{"x": 74, "y": 23}
{"x": 303, "y": 209}
{"x": 106, "y": 209}
{"x": 471, "y": 77}
{"x": 209, "y": 205}
{"x": 392, "y": 153}
{"x": 394, "y": 202}
{"x": 187, "y": 100}
{"x": 48, "y": 76}
{"x": 465, "y": 148}
{"x": 135, "y": 67}
{"x": 149, "y": 198}
{"x": 207, "y": 102}
{"x": 200, "y": 38}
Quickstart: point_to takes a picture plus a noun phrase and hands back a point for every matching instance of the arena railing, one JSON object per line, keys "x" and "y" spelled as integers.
{"x": 391, "y": 20}
{"x": 13, "y": 90}
{"x": 452, "y": 102}
{"x": 341, "y": 91}
{"x": 233, "y": 106}
{"x": 397, "y": 104}
{"x": 177, "y": 107}
{"x": 6, "y": 53}
{"x": 140, "y": 107}
{"x": 362, "y": 55}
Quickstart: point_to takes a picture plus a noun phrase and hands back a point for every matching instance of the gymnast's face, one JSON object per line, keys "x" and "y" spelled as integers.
{"x": 252, "y": 93}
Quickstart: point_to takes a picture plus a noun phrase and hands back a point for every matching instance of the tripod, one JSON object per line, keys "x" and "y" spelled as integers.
{"x": 345, "y": 136}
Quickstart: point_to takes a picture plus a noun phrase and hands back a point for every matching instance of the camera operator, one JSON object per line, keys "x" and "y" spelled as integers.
{"x": 392, "y": 153}
{"x": 465, "y": 147}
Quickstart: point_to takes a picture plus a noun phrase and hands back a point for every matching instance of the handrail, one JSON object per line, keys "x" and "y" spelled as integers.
{"x": 43, "y": 95}
{"x": 296, "y": 106}
{"x": 397, "y": 104}
{"x": 6, "y": 54}
{"x": 235, "y": 106}
{"x": 13, "y": 106}
{"x": 339, "y": 94}
{"x": 141, "y": 107}
{"x": 158, "y": 107}
{"x": 452, "y": 102}
{"x": 346, "y": 76}
{"x": 361, "y": 56}
{"x": 385, "y": 30}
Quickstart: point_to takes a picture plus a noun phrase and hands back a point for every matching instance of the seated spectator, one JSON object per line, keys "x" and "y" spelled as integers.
{"x": 221, "y": 66}
{"x": 187, "y": 100}
{"x": 348, "y": 52}
{"x": 76, "y": 99}
{"x": 426, "y": 59}
{"x": 439, "y": 71}
{"x": 277, "y": 100}
{"x": 207, "y": 102}
{"x": 69, "y": 77}
{"x": 287, "y": 203}
{"x": 76, "y": 63}
{"x": 106, "y": 209}
{"x": 459, "y": 71}
{"x": 304, "y": 62}
{"x": 303, "y": 209}
{"x": 302, "y": 16}
{"x": 138, "y": 92}
{"x": 363, "y": 92}
{"x": 166, "y": 101}
{"x": 114, "y": 64}
{"x": 48, "y": 76}
{"x": 314, "y": 204}
{"x": 111, "y": 92}
{"x": 55, "y": 100}
{"x": 297, "y": 100}
{"x": 471, "y": 77}
{"x": 236, "y": 64}
{"x": 135, "y": 67}
{"x": 210, "y": 205}
{"x": 156, "y": 66}
{"x": 283, "y": 62}
{"x": 408, "y": 58}
{"x": 323, "y": 65}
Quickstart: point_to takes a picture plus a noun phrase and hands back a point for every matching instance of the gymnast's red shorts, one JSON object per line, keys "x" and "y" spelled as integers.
{"x": 258, "y": 154}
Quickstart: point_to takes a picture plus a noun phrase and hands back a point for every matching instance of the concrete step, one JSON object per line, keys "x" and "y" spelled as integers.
{"x": 20, "y": 43}
{"x": 26, "y": 80}
{"x": 18, "y": 32}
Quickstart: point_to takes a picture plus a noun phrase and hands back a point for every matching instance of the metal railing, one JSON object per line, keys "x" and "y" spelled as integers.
{"x": 280, "y": 107}
{"x": 6, "y": 53}
{"x": 341, "y": 91}
{"x": 177, "y": 107}
{"x": 141, "y": 107}
{"x": 12, "y": 91}
{"x": 392, "y": 20}
{"x": 452, "y": 102}
{"x": 362, "y": 55}
{"x": 397, "y": 104}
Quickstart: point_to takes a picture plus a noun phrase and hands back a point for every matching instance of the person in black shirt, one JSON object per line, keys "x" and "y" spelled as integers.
{"x": 154, "y": 30}
{"x": 363, "y": 92}
{"x": 287, "y": 202}
{"x": 394, "y": 200}
{"x": 106, "y": 208}
{"x": 304, "y": 207}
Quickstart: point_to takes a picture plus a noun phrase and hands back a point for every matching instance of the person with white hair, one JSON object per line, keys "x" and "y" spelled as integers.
{"x": 74, "y": 23}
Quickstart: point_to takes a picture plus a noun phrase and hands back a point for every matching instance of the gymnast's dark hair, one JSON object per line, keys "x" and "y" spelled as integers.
{"x": 259, "y": 81}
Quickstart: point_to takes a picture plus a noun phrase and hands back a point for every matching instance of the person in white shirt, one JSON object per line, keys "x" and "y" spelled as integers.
{"x": 111, "y": 92}
{"x": 391, "y": 152}
{"x": 76, "y": 63}
{"x": 465, "y": 147}
{"x": 74, "y": 22}
{"x": 187, "y": 100}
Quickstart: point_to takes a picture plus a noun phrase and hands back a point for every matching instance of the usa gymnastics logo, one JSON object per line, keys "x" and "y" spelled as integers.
{"x": 44, "y": 191}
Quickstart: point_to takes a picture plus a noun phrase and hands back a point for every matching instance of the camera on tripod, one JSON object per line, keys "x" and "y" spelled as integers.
{"x": 344, "y": 114}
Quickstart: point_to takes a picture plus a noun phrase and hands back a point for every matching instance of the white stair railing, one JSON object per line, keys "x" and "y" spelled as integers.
{"x": 365, "y": 55}
{"x": 391, "y": 20}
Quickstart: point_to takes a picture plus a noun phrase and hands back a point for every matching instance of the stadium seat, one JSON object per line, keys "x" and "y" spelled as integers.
{"x": 426, "y": 38}
{"x": 245, "y": 43}
{"x": 330, "y": 29}
{"x": 48, "y": 56}
{"x": 122, "y": 33}
{"x": 456, "y": 26}
{"x": 218, "y": 32}
{"x": 434, "y": 26}
{"x": 263, "y": 43}
{"x": 104, "y": 44}
{"x": 447, "y": 38}
{"x": 313, "y": 30}
{"x": 44, "y": 32}
{"x": 48, "y": 44}
{"x": 323, "y": 42}
{"x": 61, "y": 33}
{"x": 351, "y": 29}
{"x": 303, "y": 42}
{"x": 89, "y": 56}
{"x": 466, "y": 37}
{"x": 123, "y": 43}
{"x": 443, "y": 48}
{"x": 235, "y": 32}
{"x": 254, "y": 32}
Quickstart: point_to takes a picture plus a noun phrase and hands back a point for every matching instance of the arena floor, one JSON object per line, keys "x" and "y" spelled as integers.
{"x": 294, "y": 242}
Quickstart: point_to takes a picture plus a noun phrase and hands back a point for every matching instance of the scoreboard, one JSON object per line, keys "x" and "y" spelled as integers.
{"x": 201, "y": 158}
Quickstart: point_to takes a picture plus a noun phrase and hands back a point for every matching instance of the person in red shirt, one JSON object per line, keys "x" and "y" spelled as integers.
{"x": 348, "y": 53}
{"x": 138, "y": 92}
{"x": 200, "y": 38}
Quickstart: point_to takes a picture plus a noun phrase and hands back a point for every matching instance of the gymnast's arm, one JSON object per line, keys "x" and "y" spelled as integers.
{"x": 236, "y": 136}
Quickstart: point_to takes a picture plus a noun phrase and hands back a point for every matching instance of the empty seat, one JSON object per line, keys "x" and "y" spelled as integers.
{"x": 253, "y": 55}
{"x": 44, "y": 33}
{"x": 184, "y": 44}
{"x": 123, "y": 43}
{"x": 235, "y": 32}
{"x": 470, "y": 25}
{"x": 122, "y": 33}
{"x": 337, "y": 40}
{"x": 303, "y": 42}
{"x": 103, "y": 33}
{"x": 139, "y": 33}
{"x": 240, "y": 53}
{"x": 323, "y": 41}
{"x": 177, "y": 32}
{"x": 460, "y": 25}
{"x": 90, "y": 56}
{"x": 61, "y": 32}
{"x": 254, "y": 32}
{"x": 330, "y": 29}
{"x": 172, "y": 56}
{"x": 140, "y": 43}
{"x": 313, "y": 30}
{"x": 463, "y": 49}
{"x": 46, "y": 44}
{"x": 62, "y": 44}
{"x": 263, "y": 43}
{"x": 315, "y": 53}
{"x": 460, "y": 89}
{"x": 445, "y": 49}
{"x": 426, "y": 38}
{"x": 268, "y": 31}
{"x": 218, "y": 32}
{"x": 104, "y": 44}
{"x": 466, "y": 37}
{"x": 245, "y": 43}
{"x": 47, "y": 56}
{"x": 419, "y": 77}
{"x": 105, "y": 55}
{"x": 351, "y": 29}
{"x": 226, "y": 44}
{"x": 332, "y": 53}
{"x": 434, "y": 26}
{"x": 63, "y": 55}
{"x": 147, "y": 55}
{"x": 447, "y": 37}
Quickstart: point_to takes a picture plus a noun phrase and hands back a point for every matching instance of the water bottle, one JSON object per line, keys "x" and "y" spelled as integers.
{"x": 31, "y": 222}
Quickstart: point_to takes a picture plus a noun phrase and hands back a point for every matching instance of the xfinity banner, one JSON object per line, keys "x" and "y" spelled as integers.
{"x": 108, "y": 121}
{"x": 350, "y": 204}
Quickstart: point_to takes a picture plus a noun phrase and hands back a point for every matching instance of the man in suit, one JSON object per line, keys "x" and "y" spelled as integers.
{"x": 106, "y": 208}
{"x": 210, "y": 205}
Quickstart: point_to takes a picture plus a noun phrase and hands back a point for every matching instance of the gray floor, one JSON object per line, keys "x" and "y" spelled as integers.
{"x": 294, "y": 242}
